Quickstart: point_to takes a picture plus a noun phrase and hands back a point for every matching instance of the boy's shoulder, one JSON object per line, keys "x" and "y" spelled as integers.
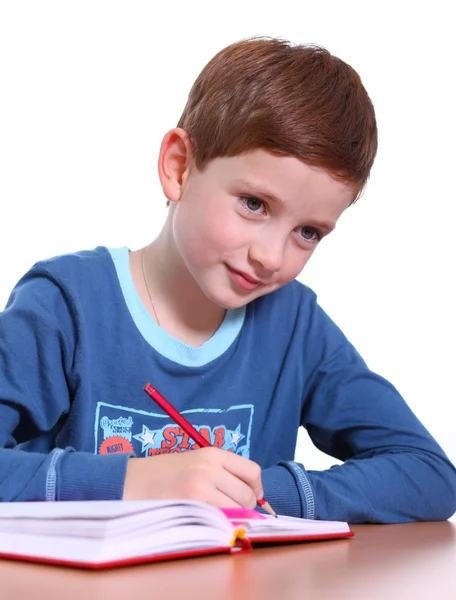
{"x": 293, "y": 294}
{"x": 285, "y": 307}
{"x": 81, "y": 260}
{"x": 290, "y": 319}
{"x": 79, "y": 268}
{"x": 70, "y": 273}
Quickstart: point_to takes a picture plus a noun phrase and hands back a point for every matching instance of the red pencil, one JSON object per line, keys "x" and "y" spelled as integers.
{"x": 190, "y": 430}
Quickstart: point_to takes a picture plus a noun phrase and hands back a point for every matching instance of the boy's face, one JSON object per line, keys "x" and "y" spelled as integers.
{"x": 247, "y": 225}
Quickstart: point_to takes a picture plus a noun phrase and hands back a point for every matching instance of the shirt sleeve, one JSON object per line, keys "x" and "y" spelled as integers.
{"x": 393, "y": 470}
{"x": 38, "y": 337}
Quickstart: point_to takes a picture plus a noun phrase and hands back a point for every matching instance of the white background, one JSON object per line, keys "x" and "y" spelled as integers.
{"x": 88, "y": 89}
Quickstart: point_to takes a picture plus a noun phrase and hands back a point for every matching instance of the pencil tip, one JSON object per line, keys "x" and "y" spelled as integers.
{"x": 268, "y": 508}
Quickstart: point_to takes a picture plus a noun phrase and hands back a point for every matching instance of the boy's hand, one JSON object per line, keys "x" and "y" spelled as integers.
{"x": 210, "y": 475}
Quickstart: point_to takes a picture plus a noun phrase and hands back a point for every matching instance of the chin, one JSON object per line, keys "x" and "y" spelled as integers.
{"x": 230, "y": 304}
{"x": 231, "y": 301}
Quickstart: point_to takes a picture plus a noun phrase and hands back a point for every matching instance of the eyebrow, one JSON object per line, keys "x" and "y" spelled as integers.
{"x": 258, "y": 191}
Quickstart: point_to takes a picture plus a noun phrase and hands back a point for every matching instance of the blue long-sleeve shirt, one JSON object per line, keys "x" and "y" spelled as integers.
{"x": 77, "y": 347}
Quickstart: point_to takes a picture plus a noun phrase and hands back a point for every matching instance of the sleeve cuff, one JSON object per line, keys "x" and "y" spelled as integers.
{"x": 305, "y": 490}
{"x": 281, "y": 492}
{"x": 288, "y": 490}
{"x": 84, "y": 476}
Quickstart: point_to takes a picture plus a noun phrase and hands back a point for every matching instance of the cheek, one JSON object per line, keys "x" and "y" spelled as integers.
{"x": 200, "y": 237}
{"x": 186, "y": 233}
{"x": 293, "y": 264}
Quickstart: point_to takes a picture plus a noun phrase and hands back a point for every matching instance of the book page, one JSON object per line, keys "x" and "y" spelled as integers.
{"x": 102, "y": 531}
{"x": 271, "y": 527}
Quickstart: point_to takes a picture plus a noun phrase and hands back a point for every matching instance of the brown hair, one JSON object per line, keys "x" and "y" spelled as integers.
{"x": 264, "y": 93}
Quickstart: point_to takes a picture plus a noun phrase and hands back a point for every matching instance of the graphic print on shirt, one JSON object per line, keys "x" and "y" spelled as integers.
{"x": 123, "y": 429}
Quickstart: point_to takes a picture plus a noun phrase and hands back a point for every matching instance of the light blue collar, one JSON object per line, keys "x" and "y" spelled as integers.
{"x": 161, "y": 340}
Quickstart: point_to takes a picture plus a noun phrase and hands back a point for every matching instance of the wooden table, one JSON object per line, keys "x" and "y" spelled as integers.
{"x": 388, "y": 562}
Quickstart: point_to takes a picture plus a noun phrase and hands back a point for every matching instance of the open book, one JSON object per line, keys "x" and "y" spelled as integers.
{"x": 102, "y": 534}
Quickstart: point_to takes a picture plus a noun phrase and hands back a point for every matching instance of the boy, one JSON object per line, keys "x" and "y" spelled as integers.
{"x": 275, "y": 142}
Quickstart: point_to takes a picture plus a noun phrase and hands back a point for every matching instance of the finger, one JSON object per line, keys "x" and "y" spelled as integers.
{"x": 222, "y": 500}
{"x": 235, "y": 489}
{"x": 244, "y": 469}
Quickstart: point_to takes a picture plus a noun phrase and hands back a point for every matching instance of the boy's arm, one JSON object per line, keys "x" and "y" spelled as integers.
{"x": 60, "y": 475}
{"x": 393, "y": 469}
{"x": 37, "y": 343}
{"x": 39, "y": 331}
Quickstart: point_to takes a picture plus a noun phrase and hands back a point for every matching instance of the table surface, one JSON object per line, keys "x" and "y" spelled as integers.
{"x": 411, "y": 561}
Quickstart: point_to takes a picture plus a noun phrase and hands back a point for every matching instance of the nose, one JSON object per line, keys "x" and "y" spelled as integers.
{"x": 268, "y": 253}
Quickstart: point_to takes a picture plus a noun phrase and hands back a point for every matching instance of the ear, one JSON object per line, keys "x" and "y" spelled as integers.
{"x": 174, "y": 162}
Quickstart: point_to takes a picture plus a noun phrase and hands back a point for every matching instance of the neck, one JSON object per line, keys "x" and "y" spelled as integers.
{"x": 181, "y": 307}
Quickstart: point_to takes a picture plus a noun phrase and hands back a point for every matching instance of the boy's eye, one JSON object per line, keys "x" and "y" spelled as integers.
{"x": 310, "y": 234}
{"x": 253, "y": 204}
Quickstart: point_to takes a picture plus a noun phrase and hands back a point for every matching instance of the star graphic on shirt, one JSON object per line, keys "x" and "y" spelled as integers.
{"x": 236, "y": 436}
{"x": 146, "y": 437}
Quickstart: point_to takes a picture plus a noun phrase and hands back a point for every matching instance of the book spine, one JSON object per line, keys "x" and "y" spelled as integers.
{"x": 240, "y": 542}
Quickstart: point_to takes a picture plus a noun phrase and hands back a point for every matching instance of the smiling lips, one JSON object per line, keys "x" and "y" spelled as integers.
{"x": 246, "y": 282}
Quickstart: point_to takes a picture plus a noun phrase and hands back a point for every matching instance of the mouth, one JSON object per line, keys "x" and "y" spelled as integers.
{"x": 243, "y": 280}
